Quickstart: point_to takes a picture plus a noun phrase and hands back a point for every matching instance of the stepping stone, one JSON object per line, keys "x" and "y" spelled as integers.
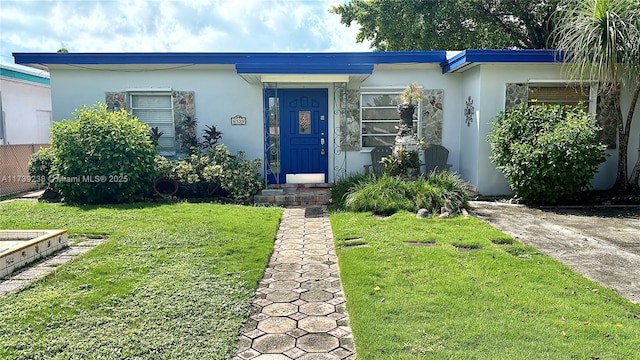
{"x": 318, "y": 343}
{"x": 273, "y": 343}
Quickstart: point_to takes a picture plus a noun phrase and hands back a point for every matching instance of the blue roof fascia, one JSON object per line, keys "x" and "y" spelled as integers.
{"x": 121, "y": 58}
{"x": 321, "y": 63}
{"x": 24, "y": 76}
{"x": 469, "y": 57}
{"x": 297, "y": 68}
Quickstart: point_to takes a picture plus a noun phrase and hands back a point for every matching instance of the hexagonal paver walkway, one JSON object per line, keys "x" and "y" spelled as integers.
{"x": 300, "y": 307}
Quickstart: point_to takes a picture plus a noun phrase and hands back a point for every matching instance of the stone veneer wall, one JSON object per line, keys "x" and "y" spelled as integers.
{"x": 184, "y": 111}
{"x": 432, "y": 116}
{"x": 184, "y": 106}
{"x": 116, "y": 100}
{"x": 515, "y": 95}
{"x": 350, "y": 121}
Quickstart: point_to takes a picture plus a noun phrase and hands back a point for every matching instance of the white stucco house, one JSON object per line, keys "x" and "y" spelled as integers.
{"x": 314, "y": 117}
{"x": 25, "y": 106}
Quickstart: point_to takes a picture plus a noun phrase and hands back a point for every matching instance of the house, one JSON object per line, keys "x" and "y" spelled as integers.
{"x": 25, "y": 106}
{"x": 314, "y": 117}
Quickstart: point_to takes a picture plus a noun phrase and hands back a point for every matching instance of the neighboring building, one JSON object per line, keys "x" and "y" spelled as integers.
{"x": 25, "y": 106}
{"x": 314, "y": 117}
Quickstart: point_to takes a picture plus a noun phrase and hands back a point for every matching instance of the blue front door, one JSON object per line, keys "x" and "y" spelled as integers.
{"x": 303, "y": 117}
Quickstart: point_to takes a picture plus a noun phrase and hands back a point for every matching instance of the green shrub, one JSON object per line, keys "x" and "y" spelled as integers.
{"x": 427, "y": 196}
{"x": 454, "y": 193}
{"x": 188, "y": 172}
{"x": 216, "y": 174}
{"x": 384, "y": 195}
{"x": 548, "y": 153}
{"x": 388, "y": 194}
{"x": 163, "y": 166}
{"x": 342, "y": 186}
{"x": 102, "y": 157}
{"x": 237, "y": 176}
{"x": 39, "y": 166}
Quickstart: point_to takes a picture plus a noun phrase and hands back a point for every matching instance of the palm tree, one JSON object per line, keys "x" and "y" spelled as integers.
{"x": 601, "y": 41}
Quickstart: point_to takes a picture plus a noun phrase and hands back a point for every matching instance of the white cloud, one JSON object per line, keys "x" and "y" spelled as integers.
{"x": 196, "y": 25}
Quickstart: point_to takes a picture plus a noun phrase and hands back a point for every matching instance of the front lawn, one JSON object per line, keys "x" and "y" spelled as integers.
{"x": 473, "y": 293}
{"x": 173, "y": 281}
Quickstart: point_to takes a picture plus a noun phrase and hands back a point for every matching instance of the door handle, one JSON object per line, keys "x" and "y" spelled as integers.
{"x": 322, "y": 152}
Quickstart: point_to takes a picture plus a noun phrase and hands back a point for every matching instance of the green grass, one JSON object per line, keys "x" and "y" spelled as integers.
{"x": 173, "y": 281}
{"x": 478, "y": 294}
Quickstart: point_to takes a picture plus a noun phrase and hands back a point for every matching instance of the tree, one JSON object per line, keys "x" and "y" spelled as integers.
{"x": 601, "y": 41}
{"x": 400, "y": 25}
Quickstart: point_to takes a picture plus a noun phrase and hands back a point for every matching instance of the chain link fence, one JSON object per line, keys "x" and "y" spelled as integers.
{"x": 14, "y": 177}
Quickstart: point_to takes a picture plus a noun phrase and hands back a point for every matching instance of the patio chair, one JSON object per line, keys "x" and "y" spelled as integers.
{"x": 377, "y": 154}
{"x": 435, "y": 158}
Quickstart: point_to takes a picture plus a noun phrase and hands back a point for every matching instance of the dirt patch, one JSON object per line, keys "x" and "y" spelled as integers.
{"x": 601, "y": 243}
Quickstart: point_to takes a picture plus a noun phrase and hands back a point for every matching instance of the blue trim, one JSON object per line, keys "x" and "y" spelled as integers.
{"x": 24, "y": 76}
{"x": 306, "y": 69}
{"x": 231, "y": 58}
{"x": 297, "y": 63}
{"x": 469, "y": 57}
{"x": 246, "y": 63}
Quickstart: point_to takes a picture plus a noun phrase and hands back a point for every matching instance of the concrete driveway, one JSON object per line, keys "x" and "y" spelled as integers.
{"x": 602, "y": 244}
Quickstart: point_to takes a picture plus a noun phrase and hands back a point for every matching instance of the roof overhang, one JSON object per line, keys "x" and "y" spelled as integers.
{"x": 290, "y": 67}
{"x": 253, "y": 67}
{"x": 28, "y": 75}
{"x": 467, "y": 59}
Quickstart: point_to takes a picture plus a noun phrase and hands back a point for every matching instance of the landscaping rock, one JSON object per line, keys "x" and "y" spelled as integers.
{"x": 423, "y": 214}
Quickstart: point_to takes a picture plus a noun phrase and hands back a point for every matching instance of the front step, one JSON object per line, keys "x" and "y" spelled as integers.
{"x": 295, "y": 195}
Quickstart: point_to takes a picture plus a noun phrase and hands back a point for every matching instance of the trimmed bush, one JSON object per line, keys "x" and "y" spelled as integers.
{"x": 39, "y": 166}
{"x": 548, "y": 153}
{"x": 102, "y": 157}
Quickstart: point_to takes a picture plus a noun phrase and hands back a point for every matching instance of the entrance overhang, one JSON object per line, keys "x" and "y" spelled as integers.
{"x": 303, "y": 78}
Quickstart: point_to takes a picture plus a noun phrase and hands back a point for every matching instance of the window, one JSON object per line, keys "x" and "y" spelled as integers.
{"x": 561, "y": 94}
{"x": 156, "y": 109}
{"x": 379, "y": 114}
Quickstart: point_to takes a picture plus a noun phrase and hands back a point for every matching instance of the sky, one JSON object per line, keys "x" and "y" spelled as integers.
{"x": 173, "y": 26}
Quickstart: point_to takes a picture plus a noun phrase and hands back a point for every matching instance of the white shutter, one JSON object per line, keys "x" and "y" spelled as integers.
{"x": 151, "y": 101}
{"x": 156, "y": 110}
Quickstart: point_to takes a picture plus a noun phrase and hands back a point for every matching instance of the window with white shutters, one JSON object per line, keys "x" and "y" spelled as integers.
{"x": 156, "y": 110}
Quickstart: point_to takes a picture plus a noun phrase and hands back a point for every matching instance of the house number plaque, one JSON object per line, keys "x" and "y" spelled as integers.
{"x": 239, "y": 120}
